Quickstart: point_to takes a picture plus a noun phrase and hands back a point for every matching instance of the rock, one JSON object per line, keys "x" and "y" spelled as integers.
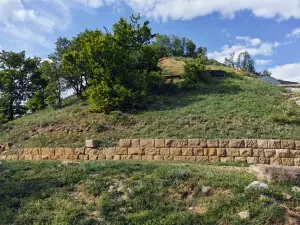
{"x": 92, "y": 143}
{"x": 286, "y": 196}
{"x": 244, "y": 215}
{"x": 296, "y": 189}
{"x": 276, "y": 173}
{"x": 70, "y": 163}
{"x": 206, "y": 190}
{"x": 257, "y": 186}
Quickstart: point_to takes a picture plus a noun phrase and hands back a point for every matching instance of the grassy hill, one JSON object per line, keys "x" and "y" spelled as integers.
{"x": 235, "y": 107}
{"x": 139, "y": 193}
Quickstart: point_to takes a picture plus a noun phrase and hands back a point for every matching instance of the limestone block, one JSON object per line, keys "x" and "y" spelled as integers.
{"x": 283, "y": 153}
{"x": 236, "y": 143}
{"x": 203, "y": 143}
{"x": 92, "y": 151}
{"x": 198, "y": 151}
{"x": 126, "y": 157}
{"x": 212, "y": 143}
{"x": 252, "y": 160}
{"x": 59, "y": 151}
{"x": 93, "y": 157}
{"x": 101, "y": 157}
{"x": 262, "y": 143}
{"x": 37, "y": 157}
{"x": 21, "y": 157}
{"x": 45, "y": 157}
{"x": 159, "y": 158}
{"x": 264, "y": 160}
{"x": 73, "y": 157}
{"x": 135, "y": 143}
{"x": 80, "y": 151}
{"x": 147, "y": 143}
{"x": 224, "y": 143}
{"x": 193, "y": 143}
{"x": 168, "y": 157}
{"x": 176, "y": 143}
{"x": 191, "y": 158}
{"x": 159, "y": 143}
{"x": 202, "y": 159}
{"x": 48, "y": 151}
{"x": 227, "y": 159}
{"x": 35, "y": 151}
{"x": 270, "y": 153}
{"x": 297, "y": 162}
{"x": 107, "y": 151}
{"x": 125, "y": 143}
{"x": 63, "y": 157}
{"x": 297, "y": 145}
{"x": 151, "y": 151}
{"x": 246, "y": 152}
{"x": 240, "y": 159}
{"x": 251, "y": 143}
{"x": 258, "y": 152}
{"x": 3, "y": 157}
{"x": 136, "y": 157}
{"x": 115, "y": 158}
{"x": 164, "y": 151}
{"x": 274, "y": 144}
{"x": 214, "y": 159}
{"x": 135, "y": 151}
{"x": 175, "y": 151}
{"x": 275, "y": 161}
{"x": 287, "y": 161}
{"x": 92, "y": 143}
{"x": 180, "y": 158}
{"x": 210, "y": 151}
{"x": 109, "y": 157}
{"x": 69, "y": 151}
{"x": 147, "y": 157}
{"x": 187, "y": 151}
{"x": 221, "y": 152}
{"x": 83, "y": 157}
{"x": 28, "y": 157}
{"x": 121, "y": 151}
{"x": 233, "y": 152}
{"x": 287, "y": 144}
{"x": 295, "y": 153}
{"x": 12, "y": 157}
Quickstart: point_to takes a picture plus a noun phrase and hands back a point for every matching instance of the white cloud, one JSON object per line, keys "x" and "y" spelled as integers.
{"x": 226, "y": 32}
{"x": 289, "y": 72}
{"x": 254, "y": 46}
{"x": 295, "y": 33}
{"x": 263, "y": 62}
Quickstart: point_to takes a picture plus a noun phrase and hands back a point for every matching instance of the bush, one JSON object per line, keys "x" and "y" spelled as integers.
{"x": 195, "y": 73}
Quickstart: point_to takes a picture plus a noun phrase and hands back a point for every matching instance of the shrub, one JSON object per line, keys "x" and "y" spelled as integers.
{"x": 194, "y": 72}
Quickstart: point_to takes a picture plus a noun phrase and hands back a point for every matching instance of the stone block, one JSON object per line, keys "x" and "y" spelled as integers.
{"x": 79, "y": 151}
{"x": 48, "y": 151}
{"x": 73, "y": 157}
{"x": 297, "y": 162}
{"x": 108, "y": 151}
{"x": 21, "y": 157}
{"x": 251, "y": 143}
{"x": 237, "y": 143}
{"x": 295, "y": 153}
{"x": 164, "y": 151}
{"x": 233, "y": 152}
{"x": 101, "y": 157}
{"x": 210, "y": 151}
{"x": 91, "y": 151}
{"x": 240, "y": 159}
{"x": 258, "y": 152}
{"x": 63, "y": 157}
{"x": 180, "y": 158}
{"x": 297, "y": 145}
{"x": 37, "y": 157}
{"x": 270, "y": 153}
{"x": 35, "y": 151}
{"x": 126, "y": 157}
{"x": 214, "y": 159}
{"x": 283, "y": 153}
{"x": 109, "y": 157}
{"x": 274, "y": 144}
{"x": 246, "y": 152}
{"x": 93, "y": 157}
{"x": 191, "y": 158}
{"x": 151, "y": 151}
{"x": 262, "y": 143}
{"x": 136, "y": 157}
{"x": 135, "y": 151}
{"x": 175, "y": 151}
{"x": 187, "y": 151}
{"x": 193, "y": 143}
{"x": 3, "y": 157}
{"x": 12, "y": 157}
{"x": 252, "y": 160}
{"x": 224, "y": 143}
{"x": 83, "y": 157}
{"x": 69, "y": 151}
{"x": 203, "y": 143}
{"x": 287, "y": 161}
{"x": 92, "y": 143}
{"x": 212, "y": 143}
{"x": 198, "y": 151}
{"x": 221, "y": 152}
{"x": 176, "y": 143}
{"x": 147, "y": 157}
{"x": 159, "y": 143}
{"x": 135, "y": 143}
{"x": 121, "y": 151}
{"x": 275, "y": 161}
{"x": 159, "y": 158}
{"x": 168, "y": 158}
{"x": 264, "y": 160}
{"x": 116, "y": 157}
{"x": 28, "y": 157}
{"x": 227, "y": 159}
{"x": 147, "y": 143}
{"x": 45, "y": 157}
{"x": 202, "y": 159}
{"x": 287, "y": 144}
{"x": 59, "y": 151}
{"x": 125, "y": 143}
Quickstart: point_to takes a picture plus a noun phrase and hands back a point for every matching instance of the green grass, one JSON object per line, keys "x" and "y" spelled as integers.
{"x": 235, "y": 107}
{"x": 134, "y": 193}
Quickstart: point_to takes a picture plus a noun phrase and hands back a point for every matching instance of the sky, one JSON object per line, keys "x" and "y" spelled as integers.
{"x": 268, "y": 29}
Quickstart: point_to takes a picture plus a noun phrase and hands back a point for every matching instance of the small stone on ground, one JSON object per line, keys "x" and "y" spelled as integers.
{"x": 257, "y": 186}
{"x": 206, "y": 190}
{"x": 244, "y": 215}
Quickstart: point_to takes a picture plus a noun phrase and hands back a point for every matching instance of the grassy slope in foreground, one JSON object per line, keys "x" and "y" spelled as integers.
{"x": 136, "y": 193}
{"x": 235, "y": 107}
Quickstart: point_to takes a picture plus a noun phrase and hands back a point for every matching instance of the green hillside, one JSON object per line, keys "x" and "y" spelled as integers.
{"x": 234, "y": 107}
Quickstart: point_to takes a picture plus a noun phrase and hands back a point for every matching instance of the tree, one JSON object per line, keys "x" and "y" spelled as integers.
{"x": 163, "y": 45}
{"x": 15, "y": 70}
{"x": 183, "y": 46}
{"x": 201, "y": 51}
{"x": 230, "y": 61}
{"x": 266, "y": 73}
{"x": 245, "y": 62}
{"x": 190, "y": 48}
{"x": 176, "y": 46}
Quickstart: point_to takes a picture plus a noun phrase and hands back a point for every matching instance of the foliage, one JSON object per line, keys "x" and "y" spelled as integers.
{"x": 245, "y": 62}
{"x": 195, "y": 72}
{"x": 266, "y": 73}
{"x": 230, "y": 61}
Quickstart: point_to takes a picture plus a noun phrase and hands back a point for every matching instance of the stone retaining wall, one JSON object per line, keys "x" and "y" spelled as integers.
{"x": 274, "y": 152}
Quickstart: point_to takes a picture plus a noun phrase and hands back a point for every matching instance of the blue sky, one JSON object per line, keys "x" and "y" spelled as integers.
{"x": 268, "y": 29}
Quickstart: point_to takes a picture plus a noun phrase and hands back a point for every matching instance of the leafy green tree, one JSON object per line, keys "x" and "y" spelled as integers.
{"x": 245, "y": 62}
{"x": 163, "y": 45}
{"x": 194, "y": 72}
{"x": 15, "y": 69}
{"x": 183, "y": 46}
{"x": 266, "y": 73}
{"x": 230, "y": 61}
{"x": 190, "y": 48}
{"x": 201, "y": 51}
{"x": 176, "y": 46}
